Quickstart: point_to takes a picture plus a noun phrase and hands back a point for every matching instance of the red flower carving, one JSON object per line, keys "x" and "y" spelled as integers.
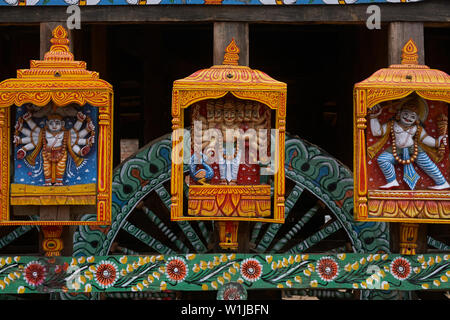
{"x": 251, "y": 269}
{"x": 327, "y": 269}
{"x": 34, "y": 273}
{"x": 176, "y": 269}
{"x": 400, "y": 268}
{"x": 106, "y": 274}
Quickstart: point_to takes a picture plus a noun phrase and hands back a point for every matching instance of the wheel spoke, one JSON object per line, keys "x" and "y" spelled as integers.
{"x": 16, "y": 233}
{"x": 316, "y": 238}
{"x": 165, "y": 230}
{"x": 127, "y": 251}
{"x": 272, "y": 230}
{"x": 437, "y": 244}
{"x": 184, "y": 225}
{"x": 296, "y": 228}
{"x": 146, "y": 238}
{"x": 201, "y": 225}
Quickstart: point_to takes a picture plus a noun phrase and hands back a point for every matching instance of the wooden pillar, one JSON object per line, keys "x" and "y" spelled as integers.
{"x": 399, "y": 33}
{"x": 224, "y": 32}
{"x": 53, "y": 238}
{"x": 99, "y": 49}
{"x": 407, "y": 238}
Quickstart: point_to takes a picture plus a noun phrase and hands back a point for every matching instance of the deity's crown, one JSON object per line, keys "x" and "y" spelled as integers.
{"x": 54, "y": 116}
{"x": 410, "y": 106}
{"x": 228, "y": 104}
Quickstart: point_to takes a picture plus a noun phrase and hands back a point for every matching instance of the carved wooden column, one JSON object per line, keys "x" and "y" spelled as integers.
{"x": 52, "y": 243}
{"x": 408, "y": 238}
{"x": 399, "y": 33}
{"x": 224, "y": 32}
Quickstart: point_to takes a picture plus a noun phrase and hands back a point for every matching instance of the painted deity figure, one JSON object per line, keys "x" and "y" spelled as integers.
{"x": 200, "y": 169}
{"x": 56, "y": 143}
{"x": 226, "y": 153}
{"x": 232, "y": 148}
{"x": 410, "y": 143}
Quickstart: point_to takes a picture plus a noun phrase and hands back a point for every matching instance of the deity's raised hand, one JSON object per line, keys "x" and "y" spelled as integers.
{"x": 16, "y": 139}
{"x": 19, "y": 125}
{"x": 21, "y": 154}
{"x": 443, "y": 140}
{"x": 91, "y": 126}
{"x": 375, "y": 111}
{"x": 27, "y": 116}
{"x": 81, "y": 116}
{"x": 85, "y": 150}
{"x": 91, "y": 140}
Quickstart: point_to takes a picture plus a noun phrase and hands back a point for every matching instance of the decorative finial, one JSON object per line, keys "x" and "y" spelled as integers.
{"x": 410, "y": 53}
{"x": 60, "y": 45}
{"x": 59, "y": 40}
{"x": 231, "y": 56}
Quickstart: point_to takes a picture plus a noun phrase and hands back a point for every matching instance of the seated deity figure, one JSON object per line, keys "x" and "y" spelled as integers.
{"x": 227, "y": 150}
{"x": 410, "y": 143}
{"x": 210, "y": 122}
{"x": 248, "y": 112}
{"x": 232, "y": 149}
{"x": 200, "y": 170}
{"x": 56, "y": 143}
{"x": 240, "y": 112}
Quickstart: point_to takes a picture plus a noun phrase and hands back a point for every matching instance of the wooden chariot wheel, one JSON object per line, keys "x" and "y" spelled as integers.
{"x": 319, "y": 219}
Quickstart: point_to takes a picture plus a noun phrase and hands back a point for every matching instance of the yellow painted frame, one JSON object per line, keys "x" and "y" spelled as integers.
{"x": 395, "y": 82}
{"x": 62, "y": 80}
{"x": 214, "y": 83}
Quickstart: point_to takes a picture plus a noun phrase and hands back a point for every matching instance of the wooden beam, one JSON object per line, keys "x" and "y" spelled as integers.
{"x": 430, "y": 11}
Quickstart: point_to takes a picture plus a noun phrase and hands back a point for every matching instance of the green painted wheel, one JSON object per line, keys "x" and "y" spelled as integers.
{"x": 319, "y": 214}
{"x": 319, "y": 204}
{"x": 319, "y": 210}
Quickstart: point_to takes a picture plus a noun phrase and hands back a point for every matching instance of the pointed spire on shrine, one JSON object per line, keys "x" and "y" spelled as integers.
{"x": 231, "y": 56}
{"x": 410, "y": 53}
{"x": 58, "y": 61}
{"x": 59, "y": 49}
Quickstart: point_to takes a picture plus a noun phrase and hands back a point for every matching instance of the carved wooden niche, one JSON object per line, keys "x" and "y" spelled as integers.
{"x": 401, "y": 154}
{"x": 228, "y": 147}
{"x": 56, "y": 139}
